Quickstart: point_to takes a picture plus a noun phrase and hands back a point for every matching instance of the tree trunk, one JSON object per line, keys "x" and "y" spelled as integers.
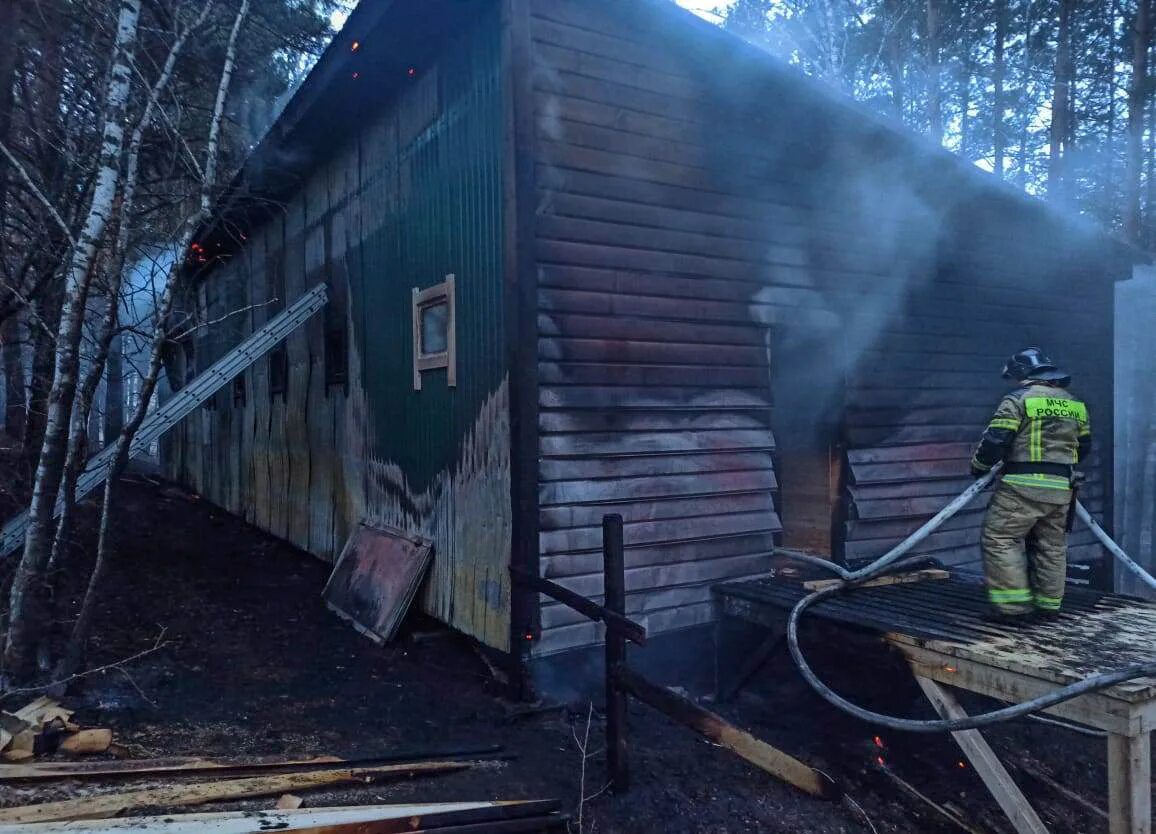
{"x": 1060, "y": 131}
{"x": 934, "y": 81}
{"x": 15, "y": 388}
{"x": 83, "y": 626}
{"x": 25, "y": 607}
{"x": 998, "y": 106}
{"x": 47, "y": 311}
{"x": 895, "y": 55}
{"x": 1137, "y": 104}
{"x": 114, "y": 390}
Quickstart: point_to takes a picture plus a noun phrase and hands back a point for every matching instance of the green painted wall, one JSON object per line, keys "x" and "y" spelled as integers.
{"x": 432, "y": 204}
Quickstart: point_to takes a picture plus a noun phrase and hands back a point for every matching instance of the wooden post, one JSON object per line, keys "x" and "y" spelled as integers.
{"x": 614, "y": 583}
{"x": 1130, "y": 784}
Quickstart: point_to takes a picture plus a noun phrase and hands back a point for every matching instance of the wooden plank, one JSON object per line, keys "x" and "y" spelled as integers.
{"x": 745, "y": 555}
{"x": 1130, "y": 784}
{"x": 561, "y": 639}
{"x": 573, "y": 326}
{"x": 578, "y": 349}
{"x": 552, "y": 422}
{"x": 661, "y": 576}
{"x": 1095, "y": 710}
{"x": 759, "y": 753}
{"x": 639, "y": 604}
{"x": 613, "y": 619}
{"x": 670, "y": 530}
{"x": 894, "y": 579}
{"x": 553, "y": 470}
{"x": 378, "y": 819}
{"x": 987, "y": 765}
{"x": 552, "y": 373}
{"x": 586, "y": 515}
{"x": 690, "y": 397}
{"x": 606, "y": 444}
{"x": 107, "y": 805}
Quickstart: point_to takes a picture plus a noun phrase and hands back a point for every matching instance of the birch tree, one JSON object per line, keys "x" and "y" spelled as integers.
{"x": 201, "y": 214}
{"x": 26, "y": 613}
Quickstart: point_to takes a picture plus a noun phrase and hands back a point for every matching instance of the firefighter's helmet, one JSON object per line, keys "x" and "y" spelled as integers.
{"x": 1032, "y": 363}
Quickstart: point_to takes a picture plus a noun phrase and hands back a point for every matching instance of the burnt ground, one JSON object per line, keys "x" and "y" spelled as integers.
{"x": 253, "y": 663}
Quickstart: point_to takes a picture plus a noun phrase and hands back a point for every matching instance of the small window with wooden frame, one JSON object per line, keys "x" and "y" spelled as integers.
{"x": 434, "y": 332}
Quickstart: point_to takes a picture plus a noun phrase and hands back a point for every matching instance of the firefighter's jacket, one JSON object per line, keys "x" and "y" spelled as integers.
{"x": 1040, "y": 432}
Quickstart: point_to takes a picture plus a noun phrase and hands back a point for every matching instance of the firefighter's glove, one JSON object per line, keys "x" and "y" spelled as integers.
{"x": 978, "y": 471}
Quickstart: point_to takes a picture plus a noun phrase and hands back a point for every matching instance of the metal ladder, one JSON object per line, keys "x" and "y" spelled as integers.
{"x": 182, "y": 404}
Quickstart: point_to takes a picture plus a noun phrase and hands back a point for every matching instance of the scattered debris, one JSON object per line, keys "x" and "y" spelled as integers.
{"x": 893, "y": 579}
{"x": 44, "y": 726}
{"x": 525, "y": 815}
{"x": 944, "y": 812}
{"x": 87, "y": 741}
{"x": 196, "y": 766}
{"x": 376, "y": 578}
{"x": 108, "y": 805}
{"x": 288, "y": 802}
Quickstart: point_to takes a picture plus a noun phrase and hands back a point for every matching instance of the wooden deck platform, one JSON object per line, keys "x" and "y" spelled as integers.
{"x": 940, "y": 627}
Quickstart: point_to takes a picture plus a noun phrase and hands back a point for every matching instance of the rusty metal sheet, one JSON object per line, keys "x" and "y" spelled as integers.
{"x": 376, "y": 578}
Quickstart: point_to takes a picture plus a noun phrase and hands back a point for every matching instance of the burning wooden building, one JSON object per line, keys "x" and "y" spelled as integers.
{"x": 594, "y": 256}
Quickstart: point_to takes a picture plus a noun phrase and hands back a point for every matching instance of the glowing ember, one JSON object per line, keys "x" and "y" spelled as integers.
{"x": 412, "y": 72}
{"x": 356, "y": 45}
{"x": 951, "y": 669}
{"x": 357, "y": 75}
{"x": 880, "y": 762}
{"x": 961, "y": 765}
{"x": 878, "y": 741}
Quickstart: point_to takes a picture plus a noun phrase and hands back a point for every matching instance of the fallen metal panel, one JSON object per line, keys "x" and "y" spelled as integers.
{"x": 376, "y": 579}
{"x": 182, "y": 404}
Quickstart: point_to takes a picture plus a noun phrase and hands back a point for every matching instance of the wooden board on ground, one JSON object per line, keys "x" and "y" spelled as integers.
{"x": 108, "y": 805}
{"x": 376, "y": 578}
{"x": 303, "y": 819}
{"x": 894, "y": 579}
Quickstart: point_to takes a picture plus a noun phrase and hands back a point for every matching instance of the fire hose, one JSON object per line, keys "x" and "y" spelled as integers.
{"x": 890, "y": 560}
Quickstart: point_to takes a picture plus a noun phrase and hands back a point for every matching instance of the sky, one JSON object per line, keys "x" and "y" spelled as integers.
{"x": 705, "y": 8}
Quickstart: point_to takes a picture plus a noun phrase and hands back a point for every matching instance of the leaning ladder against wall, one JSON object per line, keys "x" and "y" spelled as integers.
{"x": 204, "y": 386}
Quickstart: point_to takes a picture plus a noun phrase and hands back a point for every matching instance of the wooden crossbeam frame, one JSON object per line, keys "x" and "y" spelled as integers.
{"x": 1128, "y": 723}
{"x": 987, "y": 765}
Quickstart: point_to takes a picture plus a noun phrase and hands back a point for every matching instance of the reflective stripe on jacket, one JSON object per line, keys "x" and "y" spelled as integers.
{"x": 1040, "y": 431}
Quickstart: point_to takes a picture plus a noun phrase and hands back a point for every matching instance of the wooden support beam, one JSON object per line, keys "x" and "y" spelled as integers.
{"x": 754, "y": 661}
{"x": 894, "y": 579}
{"x": 987, "y": 765}
{"x": 720, "y": 731}
{"x": 614, "y": 582}
{"x": 614, "y": 621}
{"x": 1130, "y": 784}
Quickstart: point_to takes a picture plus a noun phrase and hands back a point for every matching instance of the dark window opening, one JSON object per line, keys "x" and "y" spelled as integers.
{"x": 239, "y": 393}
{"x": 278, "y": 372}
{"x": 336, "y": 345}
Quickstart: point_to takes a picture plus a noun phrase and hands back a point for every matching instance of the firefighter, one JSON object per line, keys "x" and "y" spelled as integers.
{"x": 1040, "y": 431}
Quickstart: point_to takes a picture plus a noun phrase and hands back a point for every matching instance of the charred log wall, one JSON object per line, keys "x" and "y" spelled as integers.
{"x": 725, "y": 249}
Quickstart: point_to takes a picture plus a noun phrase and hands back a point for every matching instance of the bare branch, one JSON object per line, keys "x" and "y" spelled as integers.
{"x": 40, "y": 195}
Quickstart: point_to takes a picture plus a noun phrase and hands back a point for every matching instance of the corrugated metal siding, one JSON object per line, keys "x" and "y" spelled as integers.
{"x": 415, "y": 196}
{"x": 439, "y": 458}
{"x": 1135, "y": 485}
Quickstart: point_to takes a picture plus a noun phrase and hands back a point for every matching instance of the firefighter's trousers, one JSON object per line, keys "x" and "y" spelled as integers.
{"x": 1025, "y": 551}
